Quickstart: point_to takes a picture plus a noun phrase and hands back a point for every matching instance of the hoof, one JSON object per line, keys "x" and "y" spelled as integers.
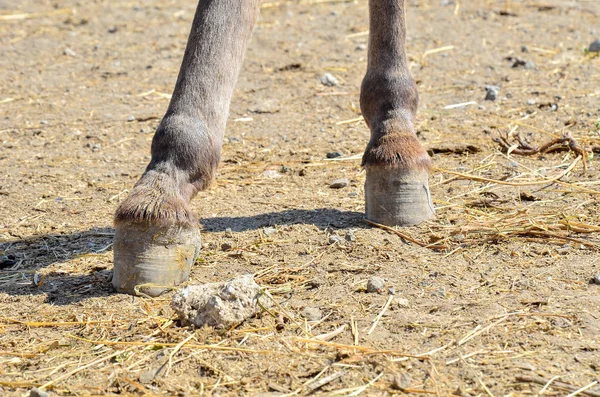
{"x": 150, "y": 260}
{"x": 397, "y": 197}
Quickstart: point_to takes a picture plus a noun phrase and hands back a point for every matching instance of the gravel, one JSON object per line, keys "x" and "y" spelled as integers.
{"x": 375, "y": 284}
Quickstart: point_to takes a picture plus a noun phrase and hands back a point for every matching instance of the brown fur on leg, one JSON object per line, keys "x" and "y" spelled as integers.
{"x": 156, "y": 200}
{"x": 396, "y": 145}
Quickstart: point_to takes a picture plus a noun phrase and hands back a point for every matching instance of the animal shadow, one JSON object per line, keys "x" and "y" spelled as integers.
{"x": 22, "y": 261}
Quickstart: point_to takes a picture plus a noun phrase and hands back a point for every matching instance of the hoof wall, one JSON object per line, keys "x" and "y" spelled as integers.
{"x": 151, "y": 260}
{"x": 397, "y": 197}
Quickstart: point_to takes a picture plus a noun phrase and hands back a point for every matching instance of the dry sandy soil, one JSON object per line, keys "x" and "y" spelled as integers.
{"x": 494, "y": 297}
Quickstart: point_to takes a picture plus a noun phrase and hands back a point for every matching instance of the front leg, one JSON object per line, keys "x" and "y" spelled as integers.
{"x": 157, "y": 237}
{"x": 397, "y": 166}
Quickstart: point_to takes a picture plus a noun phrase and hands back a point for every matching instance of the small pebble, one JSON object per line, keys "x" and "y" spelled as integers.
{"x": 401, "y": 381}
{"x": 333, "y": 155}
{"x": 228, "y": 232}
{"x": 269, "y": 231}
{"x": 131, "y": 117}
{"x": 439, "y": 293}
{"x": 146, "y": 377}
{"x": 375, "y": 284}
{"x": 531, "y": 102}
{"x": 334, "y": 238}
{"x": 403, "y": 303}
{"x": 44, "y": 122}
{"x": 524, "y": 48}
{"x": 594, "y": 46}
{"x": 361, "y": 47}
{"x": 113, "y": 29}
{"x": 596, "y": 279}
{"x": 350, "y": 237}
{"x": 339, "y": 183}
{"x": 271, "y": 174}
{"x": 329, "y": 80}
{"x": 226, "y": 246}
{"x": 265, "y": 107}
{"x": 492, "y": 92}
{"x": 69, "y": 52}
{"x": 312, "y": 313}
{"x": 35, "y": 392}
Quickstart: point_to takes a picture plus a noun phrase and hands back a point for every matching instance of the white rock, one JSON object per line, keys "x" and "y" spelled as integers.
{"x": 219, "y": 305}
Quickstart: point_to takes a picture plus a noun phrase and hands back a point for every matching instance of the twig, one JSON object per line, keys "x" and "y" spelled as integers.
{"x": 332, "y": 334}
{"x": 524, "y": 149}
{"x": 378, "y": 318}
{"x": 366, "y": 386}
{"x": 510, "y": 183}
{"x": 175, "y": 350}
{"x": 470, "y": 336}
{"x": 405, "y": 236}
{"x": 322, "y": 382}
{"x": 79, "y": 369}
{"x": 561, "y": 385}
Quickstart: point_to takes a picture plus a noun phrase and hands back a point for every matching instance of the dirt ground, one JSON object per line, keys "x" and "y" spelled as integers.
{"x": 494, "y": 297}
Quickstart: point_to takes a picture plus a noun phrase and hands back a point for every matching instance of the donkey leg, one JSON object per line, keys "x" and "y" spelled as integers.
{"x": 157, "y": 237}
{"x": 397, "y": 166}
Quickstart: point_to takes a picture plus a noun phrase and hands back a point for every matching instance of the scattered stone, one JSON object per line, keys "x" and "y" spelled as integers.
{"x": 146, "y": 377}
{"x": 531, "y": 101}
{"x": 272, "y": 174}
{"x": 596, "y": 279}
{"x": 439, "y": 293}
{"x": 329, "y": 80}
{"x": 44, "y": 122}
{"x": 228, "y": 232}
{"x": 285, "y": 169}
{"x": 350, "y": 237}
{"x": 303, "y": 172}
{"x": 391, "y": 291}
{"x": 339, "y": 183}
{"x": 375, "y": 284}
{"x": 131, "y": 118}
{"x": 403, "y": 303}
{"x": 268, "y": 106}
{"x": 361, "y": 47}
{"x": 334, "y": 238}
{"x": 269, "y": 231}
{"x": 219, "y": 305}
{"x": 401, "y": 381}
{"x": 113, "y": 29}
{"x": 226, "y": 246}
{"x": 492, "y": 92}
{"x": 334, "y": 155}
{"x": 524, "y": 48}
{"x": 69, "y": 52}
{"x": 312, "y": 313}
{"x": 518, "y": 62}
{"x": 594, "y": 46}
{"x": 35, "y": 392}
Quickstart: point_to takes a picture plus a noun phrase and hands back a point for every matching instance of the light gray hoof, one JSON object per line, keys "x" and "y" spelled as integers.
{"x": 397, "y": 197}
{"x": 151, "y": 260}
